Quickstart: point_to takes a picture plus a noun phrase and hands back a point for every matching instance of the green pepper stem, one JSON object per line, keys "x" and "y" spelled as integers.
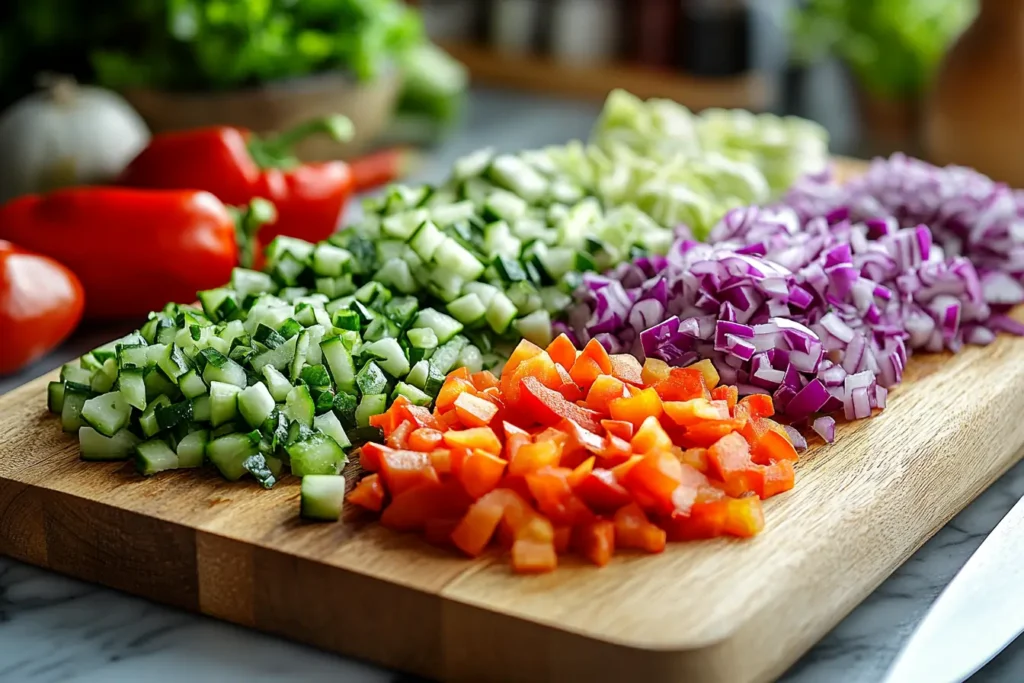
{"x": 276, "y": 151}
{"x": 248, "y": 221}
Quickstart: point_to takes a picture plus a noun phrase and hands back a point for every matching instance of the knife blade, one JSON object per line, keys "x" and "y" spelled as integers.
{"x": 978, "y": 614}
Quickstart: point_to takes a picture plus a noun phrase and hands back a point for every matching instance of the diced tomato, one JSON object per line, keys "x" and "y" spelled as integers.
{"x": 483, "y": 438}
{"x": 370, "y": 454}
{"x": 368, "y": 493}
{"x": 533, "y": 557}
{"x": 581, "y": 471}
{"x": 424, "y": 439}
{"x": 476, "y": 529}
{"x": 627, "y": 368}
{"x": 693, "y": 411}
{"x": 636, "y": 409}
{"x": 707, "y": 368}
{"x": 584, "y": 371}
{"x": 654, "y": 479}
{"x": 531, "y": 457}
{"x": 603, "y": 391}
{"x": 602, "y": 492}
{"x": 474, "y": 411}
{"x": 726, "y": 393}
{"x": 596, "y": 541}
{"x": 650, "y": 437}
{"x": 683, "y": 384}
{"x": 539, "y": 368}
{"x": 402, "y": 470}
{"x": 654, "y": 371}
{"x": 619, "y": 428}
{"x": 484, "y": 379}
{"x": 562, "y": 351}
{"x": 759, "y": 405}
{"x": 411, "y": 509}
{"x": 450, "y": 390}
{"x": 549, "y": 407}
{"x": 633, "y": 530}
{"x": 480, "y": 472}
{"x": 773, "y": 447}
{"x": 399, "y": 438}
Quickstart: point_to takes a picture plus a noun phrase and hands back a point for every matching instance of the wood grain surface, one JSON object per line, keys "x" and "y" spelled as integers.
{"x": 722, "y": 610}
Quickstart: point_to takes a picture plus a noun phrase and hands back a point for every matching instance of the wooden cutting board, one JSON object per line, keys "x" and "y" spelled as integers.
{"x": 722, "y": 610}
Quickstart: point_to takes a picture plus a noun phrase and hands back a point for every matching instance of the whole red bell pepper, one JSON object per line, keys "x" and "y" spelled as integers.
{"x": 40, "y": 304}
{"x": 237, "y": 166}
{"x": 133, "y": 250}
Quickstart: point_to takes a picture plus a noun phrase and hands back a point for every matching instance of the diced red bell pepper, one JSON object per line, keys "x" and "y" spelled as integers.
{"x": 477, "y": 527}
{"x": 412, "y": 509}
{"x": 439, "y": 531}
{"x": 730, "y": 462}
{"x": 744, "y": 517}
{"x": 424, "y": 439}
{"x": 654, "y": 371}
{"x": 483, "y": 438}
{"x": 531, "y": 457}
{"x": 727, "y": 393}
{"x": 773, "y": 447}
{"x": 601, "y": 492}
{"x": 534, "y": 557}
{"x": 480, "y": 472}
{"x": 706, "y": 434}
{"x": 581, "y": 472}
{"x": 627, "y": 368}
{"x": 568, "y": 388}
{"x": 474, "y": 411}
{"x": 615, "y": 452}
{"x": 580, "y": 443}
{"x": 704, "y": 520}
{"x": 450, "y": 391}
{"x": 633, "y": 530}
{"x": 484, "y": 379}
{"x": 516, "y": 484}
{"x": 392, "y": 417}
{"x": 368, "y": 493}
{"x": 603, "y": 391}
{"x": 697, "y": 458}
{"x": 690, "y": 488}
{"x": 621, "y": 470}
{"x": 555, "y": 498}
{"x": 693, "y": 412}
{"x": 683, "y": 384}
{"x": 399, "y": 437}
{"x": 402, "y": 470}
{"x": 654, "y": 479}
{"x": 759, "y": 405}
{"x": 619, "y": 428}
{"x": 559, "y": 437}
{"x": 540, "y": 368}
{"x": 596, "y": 541}
{"x": 370, "y": 455}
{"x": 448, "y": 420}
{"x": 563, "y": 538}
{"x": 650, "y": 437}
{"x": 778, "y": 478}
{"x": 523, "y": 351}
{"x": 549, "y": 407}
{"x": 636, "y": 409}
{"x": 562, "y": 351}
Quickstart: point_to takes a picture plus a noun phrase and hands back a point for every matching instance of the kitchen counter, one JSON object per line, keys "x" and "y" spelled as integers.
{"x": 57, "y": 629}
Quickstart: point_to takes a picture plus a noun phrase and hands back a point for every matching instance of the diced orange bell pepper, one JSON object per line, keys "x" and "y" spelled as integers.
{"x": 705, "y": 520}
{"x": 484, "y": 379}
{"x": 773, "y": 447}
{"x": 616, "y": 451}
{"x": 683, "y": 384}
{"x": 697, "y": 458}
{"x": 441, "y": 460}
{"x": 516, "y": 484}
{"x": 778, "y": 478}
{"x": 690, "y": 488}
{"x": 424, "y": 439}
{"x": 555, "y": 498}
{"x": 549, "y": 407}
{"x": 693, "y": 411}
{"x": 650, "y": 437}
{"x": 706, "y": 434}
{"x": 562, "y": 351}
{"x": 412, "y": 509}
{"x": 729, "y": 394}
{"x": 534, "y": 557}
{"x": 402, "y": 470}
{"x": 654, "y": 479}
{"x": 581, "y": 471}
{"x": 523, "y": 351}
{"x": 460, "y": 373}
{"x": 540, "y": 368}
{"x": 707, "y": 368}
{"x": 730, "y": 462}
{"x": 399, "y": 437}
{"x": 584, "y": 371}
{"x": 474, "y": 411}
{"x": 636, "y": 409}
{"x": 553, "y": 434}
{"x": 390, "y": 418}
{"x": 619, "y": 428}
{"x": 654, "y": 371}
{"x": 483, "y": 438}
{"x": 627, "y": 368}
{"x": 596, "y": 541}
{"x": 418, "y": 415}
{"x": 531, "y": 457}
{"x": 595, "y": 350}
{"x": 621, "y": 470}
{"x": 568, "y": 388}
{"x": 514, "y": 442}
{"x": 368, "y": 493}
{"x": 450, "y": 391}
{"x": 603, "y": 391}
{"x": 370, "y": 454}
{"x": 633, "y": 530}
{"x": 480, "y": 472}
{"x": 745, "y": 517}
{"x": 759, "y": 405}
{"x": 602, "y": 492}
{"x": 476, "y": 529}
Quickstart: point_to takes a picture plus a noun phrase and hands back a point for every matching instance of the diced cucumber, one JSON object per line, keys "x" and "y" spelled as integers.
{"x": 191, "y": 384}
{"x": 220, "y": 368}
{"x": 255, "y": 403}
{"x": 278, "y": 384}
{"x": 371, "y": 379}
{"x": 201, "y": 408}
{"x": 299, "y": 359}
{"x": 94, "y": 446}
{"x": 470, "y": 359}
{"x": 168, "y": 417}
{"x": 299, "y": 406}
{"x": 223, "y": 403}
{"x": 229, "y": 453}
{"x": 330, "y": 261}
{"x": 73, "y": 372}
{"x": 260, "y": 469}
{"x": 329, "y": 424}
{"x": 316, "y": 454}
{"x": 192, "y": 448}
{"x": 107, "y": 413}
{"x": 467, "y": 309}
{"x": 339, "y": 362}
{"x": 103, "y": 380}
{"x": 55, "y": 396}
{"x": 416, "y": 396}
{"x": 500, "y": 313}
{"x": 452, "y": 257}
{"x": 154, "y": 456}
{"x": 445, "y": 215}
{"x": 426, "y": 241}
{"x": 445, "y": 327}
{"x": 279, "y": 357}
{"x": 369, "y": 405}
{"x": 147, "y": 421}
{"x": 473, "y": 164}
{"x": 535, "y": 327}
{"x": 345, "y": 408}
{"x": 246, "y": 282}
{"x": 322, "y": 497}
{"x": 390, "y": 357}
{"x": 396, "y": 274}
{"x": 435, "y": 380}
{"x": 505, "y": 206}
{"x": 219, "y": 304}
{"x": 417, "y": 377}
{"x": 401, "y": 226}
{"x": 445, "y": 356}
{"x": 519, "y": 177}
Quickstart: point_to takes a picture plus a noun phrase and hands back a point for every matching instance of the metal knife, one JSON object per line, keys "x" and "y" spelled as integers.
{"x": 978, "y": 614}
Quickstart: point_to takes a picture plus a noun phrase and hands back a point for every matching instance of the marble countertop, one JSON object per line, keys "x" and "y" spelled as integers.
{"x": 57, "y": 629}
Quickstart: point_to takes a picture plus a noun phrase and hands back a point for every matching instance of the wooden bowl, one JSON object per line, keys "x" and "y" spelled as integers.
{"x": 280, "y": 105}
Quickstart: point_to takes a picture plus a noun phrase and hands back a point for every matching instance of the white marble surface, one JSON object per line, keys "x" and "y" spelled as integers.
{"x": 58, "y": 629}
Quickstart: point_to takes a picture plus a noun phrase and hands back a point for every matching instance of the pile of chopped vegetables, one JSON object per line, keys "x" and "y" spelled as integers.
{"x": 580, "y": 451}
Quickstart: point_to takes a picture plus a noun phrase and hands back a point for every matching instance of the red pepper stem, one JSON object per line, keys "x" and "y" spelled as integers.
{"x": 248, "y": 221}
{"x": 276, "y": 151}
